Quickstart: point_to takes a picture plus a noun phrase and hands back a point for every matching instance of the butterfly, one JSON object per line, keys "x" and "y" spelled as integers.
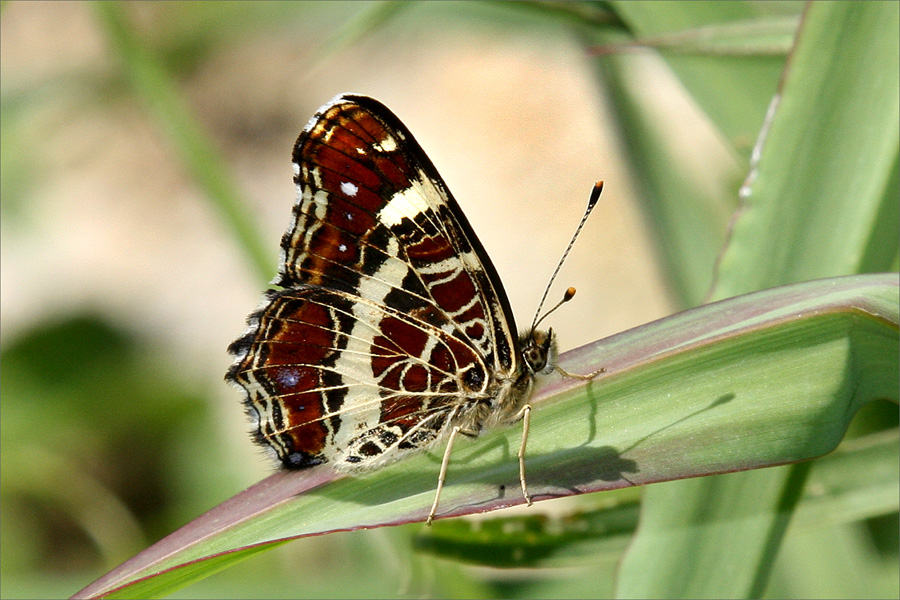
{"x": 391, "y": 330}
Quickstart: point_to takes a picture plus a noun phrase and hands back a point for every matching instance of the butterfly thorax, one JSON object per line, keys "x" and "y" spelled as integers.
{"x": 509, "y": 392}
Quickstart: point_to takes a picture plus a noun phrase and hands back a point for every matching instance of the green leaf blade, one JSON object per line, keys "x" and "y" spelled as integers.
{"x": 660, "y": 413}
{"x": 827, "y": 160}
{"x": 814, "y": 196}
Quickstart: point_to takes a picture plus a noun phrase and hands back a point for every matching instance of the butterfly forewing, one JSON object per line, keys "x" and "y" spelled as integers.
{"x": 392, "y": 316}
{"x": 374, "y": 217}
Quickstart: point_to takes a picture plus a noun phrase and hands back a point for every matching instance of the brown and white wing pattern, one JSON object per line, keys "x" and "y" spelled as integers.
{"x": 391, "y": 322}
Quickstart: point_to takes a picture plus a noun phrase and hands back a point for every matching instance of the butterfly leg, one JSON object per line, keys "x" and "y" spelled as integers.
{"x": 443, "y": 474}
{"x": 525, "y": 415}
{"x": 587, "y": 377}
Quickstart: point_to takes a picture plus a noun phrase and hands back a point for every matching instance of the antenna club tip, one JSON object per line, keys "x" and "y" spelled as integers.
{"x": 570, "y": 293}
{"x": 595, "y": 195}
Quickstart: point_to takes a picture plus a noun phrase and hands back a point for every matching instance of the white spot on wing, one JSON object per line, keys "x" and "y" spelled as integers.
{"x": 349, "y": 188}
{"x": 388, "y": 144}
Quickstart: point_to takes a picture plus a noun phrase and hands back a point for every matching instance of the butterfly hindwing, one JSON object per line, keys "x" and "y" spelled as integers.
{"x": 324, "y": 370}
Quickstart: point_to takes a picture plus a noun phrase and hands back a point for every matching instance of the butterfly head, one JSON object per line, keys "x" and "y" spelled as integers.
{"x": 539, "y": 346}
{"x": 539, "y": 351}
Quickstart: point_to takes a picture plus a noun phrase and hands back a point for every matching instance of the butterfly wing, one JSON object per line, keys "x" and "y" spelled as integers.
{"x": 392, "y": 314}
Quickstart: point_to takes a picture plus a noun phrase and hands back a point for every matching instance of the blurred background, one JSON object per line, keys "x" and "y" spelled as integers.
{"x": 122, "y": 283}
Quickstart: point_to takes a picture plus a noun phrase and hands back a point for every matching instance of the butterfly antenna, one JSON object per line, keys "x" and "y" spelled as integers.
{"x": 592, "y": 202}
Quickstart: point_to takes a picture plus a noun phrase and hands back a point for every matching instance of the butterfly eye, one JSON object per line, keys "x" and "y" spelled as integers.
{"x": 535, "y": 355}
{"x": 539, "y": 352}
